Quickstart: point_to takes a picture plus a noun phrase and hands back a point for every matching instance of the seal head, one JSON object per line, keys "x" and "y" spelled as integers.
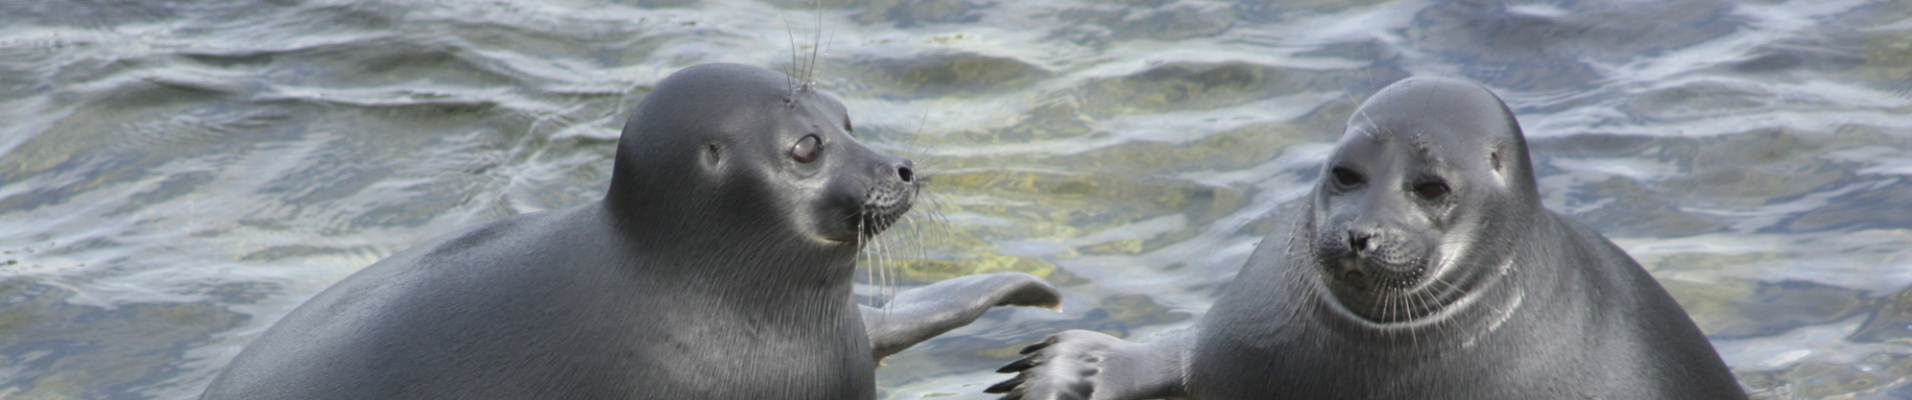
{"x": 752, "y": 145}
{"x": 1426, "y": 167}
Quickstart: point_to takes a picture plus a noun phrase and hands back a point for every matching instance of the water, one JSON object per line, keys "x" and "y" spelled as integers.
{"x": 174, "y": 177}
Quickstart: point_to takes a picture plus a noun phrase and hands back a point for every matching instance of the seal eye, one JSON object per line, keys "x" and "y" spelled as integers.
{"x": 1430, "y": 190}
{"x": 805, "y": 150}
{"x": 1346, "y": 178}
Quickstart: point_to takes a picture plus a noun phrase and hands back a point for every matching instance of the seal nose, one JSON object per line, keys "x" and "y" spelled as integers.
{"x": 1358, "y": 241}
{"x": 903, "y": 171}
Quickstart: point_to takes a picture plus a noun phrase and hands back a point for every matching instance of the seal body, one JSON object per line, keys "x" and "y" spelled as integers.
{"x": 555, "y": 305}
{"x": 1422, "y": 266}
{"x": 718, "y": 266}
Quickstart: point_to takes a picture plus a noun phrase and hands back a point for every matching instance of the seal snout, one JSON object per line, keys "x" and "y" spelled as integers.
{"x": 890, "y": 197}
{"x": 884, "y": 205}
{"x": 1373, "y": 258}
{"x": 1373, "y": 245}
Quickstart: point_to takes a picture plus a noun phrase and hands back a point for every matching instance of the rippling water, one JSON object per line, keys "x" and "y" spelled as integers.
{"x": 175, "y": 176}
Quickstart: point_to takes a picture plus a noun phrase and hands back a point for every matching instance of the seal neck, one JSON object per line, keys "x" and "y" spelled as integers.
{"x": 752, "y": 261}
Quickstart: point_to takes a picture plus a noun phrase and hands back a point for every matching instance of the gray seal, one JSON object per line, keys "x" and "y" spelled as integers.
{"x": 1423, "y": 265}
{"x": 718, "y": 266}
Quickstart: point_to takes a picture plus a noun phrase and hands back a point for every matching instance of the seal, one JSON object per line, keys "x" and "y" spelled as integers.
{"x": 1423, "y": 265}
{"x": 718, "y": 265}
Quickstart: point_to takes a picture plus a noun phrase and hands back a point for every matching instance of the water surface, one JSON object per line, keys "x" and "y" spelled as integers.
{"x": 176, "y": 176}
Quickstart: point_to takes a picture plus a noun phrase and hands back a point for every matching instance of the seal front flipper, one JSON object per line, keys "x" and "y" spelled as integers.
{"x": 1089, "y": 365}
{"x": 918, "y": 314}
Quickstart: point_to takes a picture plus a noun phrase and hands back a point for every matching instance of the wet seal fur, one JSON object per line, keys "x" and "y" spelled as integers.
{"x": 1423, "y": 266}
{"x": 718, "y": 266}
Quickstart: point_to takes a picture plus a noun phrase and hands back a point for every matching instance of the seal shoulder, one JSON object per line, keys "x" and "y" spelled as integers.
{"x": 1647, "y": 327}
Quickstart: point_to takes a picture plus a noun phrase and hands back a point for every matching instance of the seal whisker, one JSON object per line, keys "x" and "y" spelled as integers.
{"x": 922, "y": 248}
{"x": 895, "y": 272}
{"x": 1379, "y": 308}
{"x": 869, "y": 270}
{"x": 920, "y": 122}
{"x": 1445, "y": 285}
{"x": 886, "y": 269}
{"x": 1461, "y": 293}
{"x": 1415, "y": 301}
{"x": 878, "y": 264}
{"x": 816, "y": 45}
{"x": 873, "y": 247}
{"x": 790, "y": 75}
{"x": 879, "y": 259}
{"x": 875, "y": 268}
{"x": 1407, "y": 304}
{"x": 890, "y": 272}
{"x": 897, "y": 246}
{"x": 832, "y": 38}
{"x": 1402, "y": 302}
{"x": 1423, "y": 300}
{"x": 938, "y": 201}
{"x": 1386, "y": 306}
{"x": 889, "y": 268}
{"x": 1370, "y": 133}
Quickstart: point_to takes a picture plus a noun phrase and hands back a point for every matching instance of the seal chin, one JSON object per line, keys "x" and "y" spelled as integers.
{"x": 1384, "y": 287}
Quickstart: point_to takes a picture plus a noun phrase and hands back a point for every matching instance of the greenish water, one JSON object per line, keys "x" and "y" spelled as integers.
{"x": 175, "y": 176}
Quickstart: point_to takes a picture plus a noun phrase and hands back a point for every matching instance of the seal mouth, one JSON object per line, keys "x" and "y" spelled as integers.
{"x": 883, "y": 205}
{"x": 1374, "y": 265}
{"x": 1373, "y": 274}
{"x": 1384, "y": 292}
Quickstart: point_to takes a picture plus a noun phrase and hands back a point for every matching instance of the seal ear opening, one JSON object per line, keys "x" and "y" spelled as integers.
{"x": 1497, "y": 160}
{"x": 712, "y": 155}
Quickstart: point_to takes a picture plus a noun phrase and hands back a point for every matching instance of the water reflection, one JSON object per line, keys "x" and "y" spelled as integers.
{"x": 175, "y": 177}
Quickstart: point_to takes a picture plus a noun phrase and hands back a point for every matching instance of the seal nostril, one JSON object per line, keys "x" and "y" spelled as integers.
{"x": 1357, "y": 242}
{"x": 905, "y": 173}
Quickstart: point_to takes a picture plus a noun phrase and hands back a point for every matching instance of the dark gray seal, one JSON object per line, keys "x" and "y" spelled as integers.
{"x": 718, "y": 266}
{"x": 1422, "y": 267}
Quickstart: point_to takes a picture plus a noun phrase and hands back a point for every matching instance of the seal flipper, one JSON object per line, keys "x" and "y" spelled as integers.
{"x": 1089, "y": 365}
{"x": 916, "y": 315}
